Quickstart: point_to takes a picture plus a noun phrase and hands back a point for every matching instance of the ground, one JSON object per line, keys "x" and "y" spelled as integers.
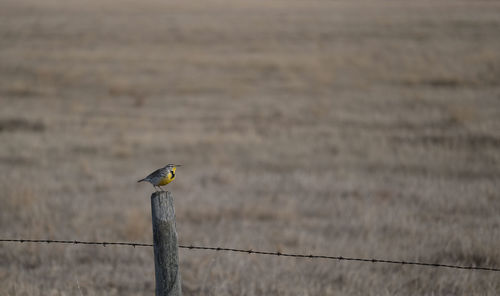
{"x": 345, "y": 128}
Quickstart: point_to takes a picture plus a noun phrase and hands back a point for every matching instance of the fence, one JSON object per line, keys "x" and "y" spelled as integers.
{"x": 167, "y": 273}
{"x": 249, "y": 251}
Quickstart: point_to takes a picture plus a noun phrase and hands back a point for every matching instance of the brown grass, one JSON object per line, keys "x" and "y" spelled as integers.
{"x": 362, "y": 129}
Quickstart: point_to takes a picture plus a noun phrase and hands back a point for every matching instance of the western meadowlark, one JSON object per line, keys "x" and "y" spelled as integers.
{"x": 162, "y": 176}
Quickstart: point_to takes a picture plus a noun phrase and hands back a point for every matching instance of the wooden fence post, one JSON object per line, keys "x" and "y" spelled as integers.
{"x": 167, "y": 273}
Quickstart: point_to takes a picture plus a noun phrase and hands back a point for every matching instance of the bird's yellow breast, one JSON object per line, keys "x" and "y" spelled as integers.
{"x": 168, "y": 178}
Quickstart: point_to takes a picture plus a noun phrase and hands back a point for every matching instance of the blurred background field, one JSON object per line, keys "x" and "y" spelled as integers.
{"x": 346, "y": 128}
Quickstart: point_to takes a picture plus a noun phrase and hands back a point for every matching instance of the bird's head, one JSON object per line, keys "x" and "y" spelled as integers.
{"x": 172, "y": 167}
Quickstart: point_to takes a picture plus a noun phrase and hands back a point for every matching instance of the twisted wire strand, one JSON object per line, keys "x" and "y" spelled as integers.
{"x": 249, "y": 251}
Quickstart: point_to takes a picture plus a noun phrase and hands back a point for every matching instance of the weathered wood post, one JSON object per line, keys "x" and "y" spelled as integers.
{"x": 167, "y": 273}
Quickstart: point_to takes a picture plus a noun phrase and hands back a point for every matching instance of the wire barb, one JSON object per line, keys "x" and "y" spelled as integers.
{"x": 250, "y": 251}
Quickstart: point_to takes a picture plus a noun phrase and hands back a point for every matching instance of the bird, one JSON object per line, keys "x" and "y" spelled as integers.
{"x": 162, "y": 176}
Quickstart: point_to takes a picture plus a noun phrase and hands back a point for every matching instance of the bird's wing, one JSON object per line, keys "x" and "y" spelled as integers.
{"x": 157, "y": 173}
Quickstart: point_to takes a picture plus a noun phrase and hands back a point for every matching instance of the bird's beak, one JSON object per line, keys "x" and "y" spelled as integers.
{"x": 177, "y": 165}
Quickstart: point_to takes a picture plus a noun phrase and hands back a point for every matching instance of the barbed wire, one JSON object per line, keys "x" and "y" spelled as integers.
{"x": 75, "y": 242}
{"x": 310, "y": 256}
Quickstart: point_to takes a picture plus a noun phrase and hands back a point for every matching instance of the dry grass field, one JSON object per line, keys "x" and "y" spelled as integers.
{"x": 346, "y": 128}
